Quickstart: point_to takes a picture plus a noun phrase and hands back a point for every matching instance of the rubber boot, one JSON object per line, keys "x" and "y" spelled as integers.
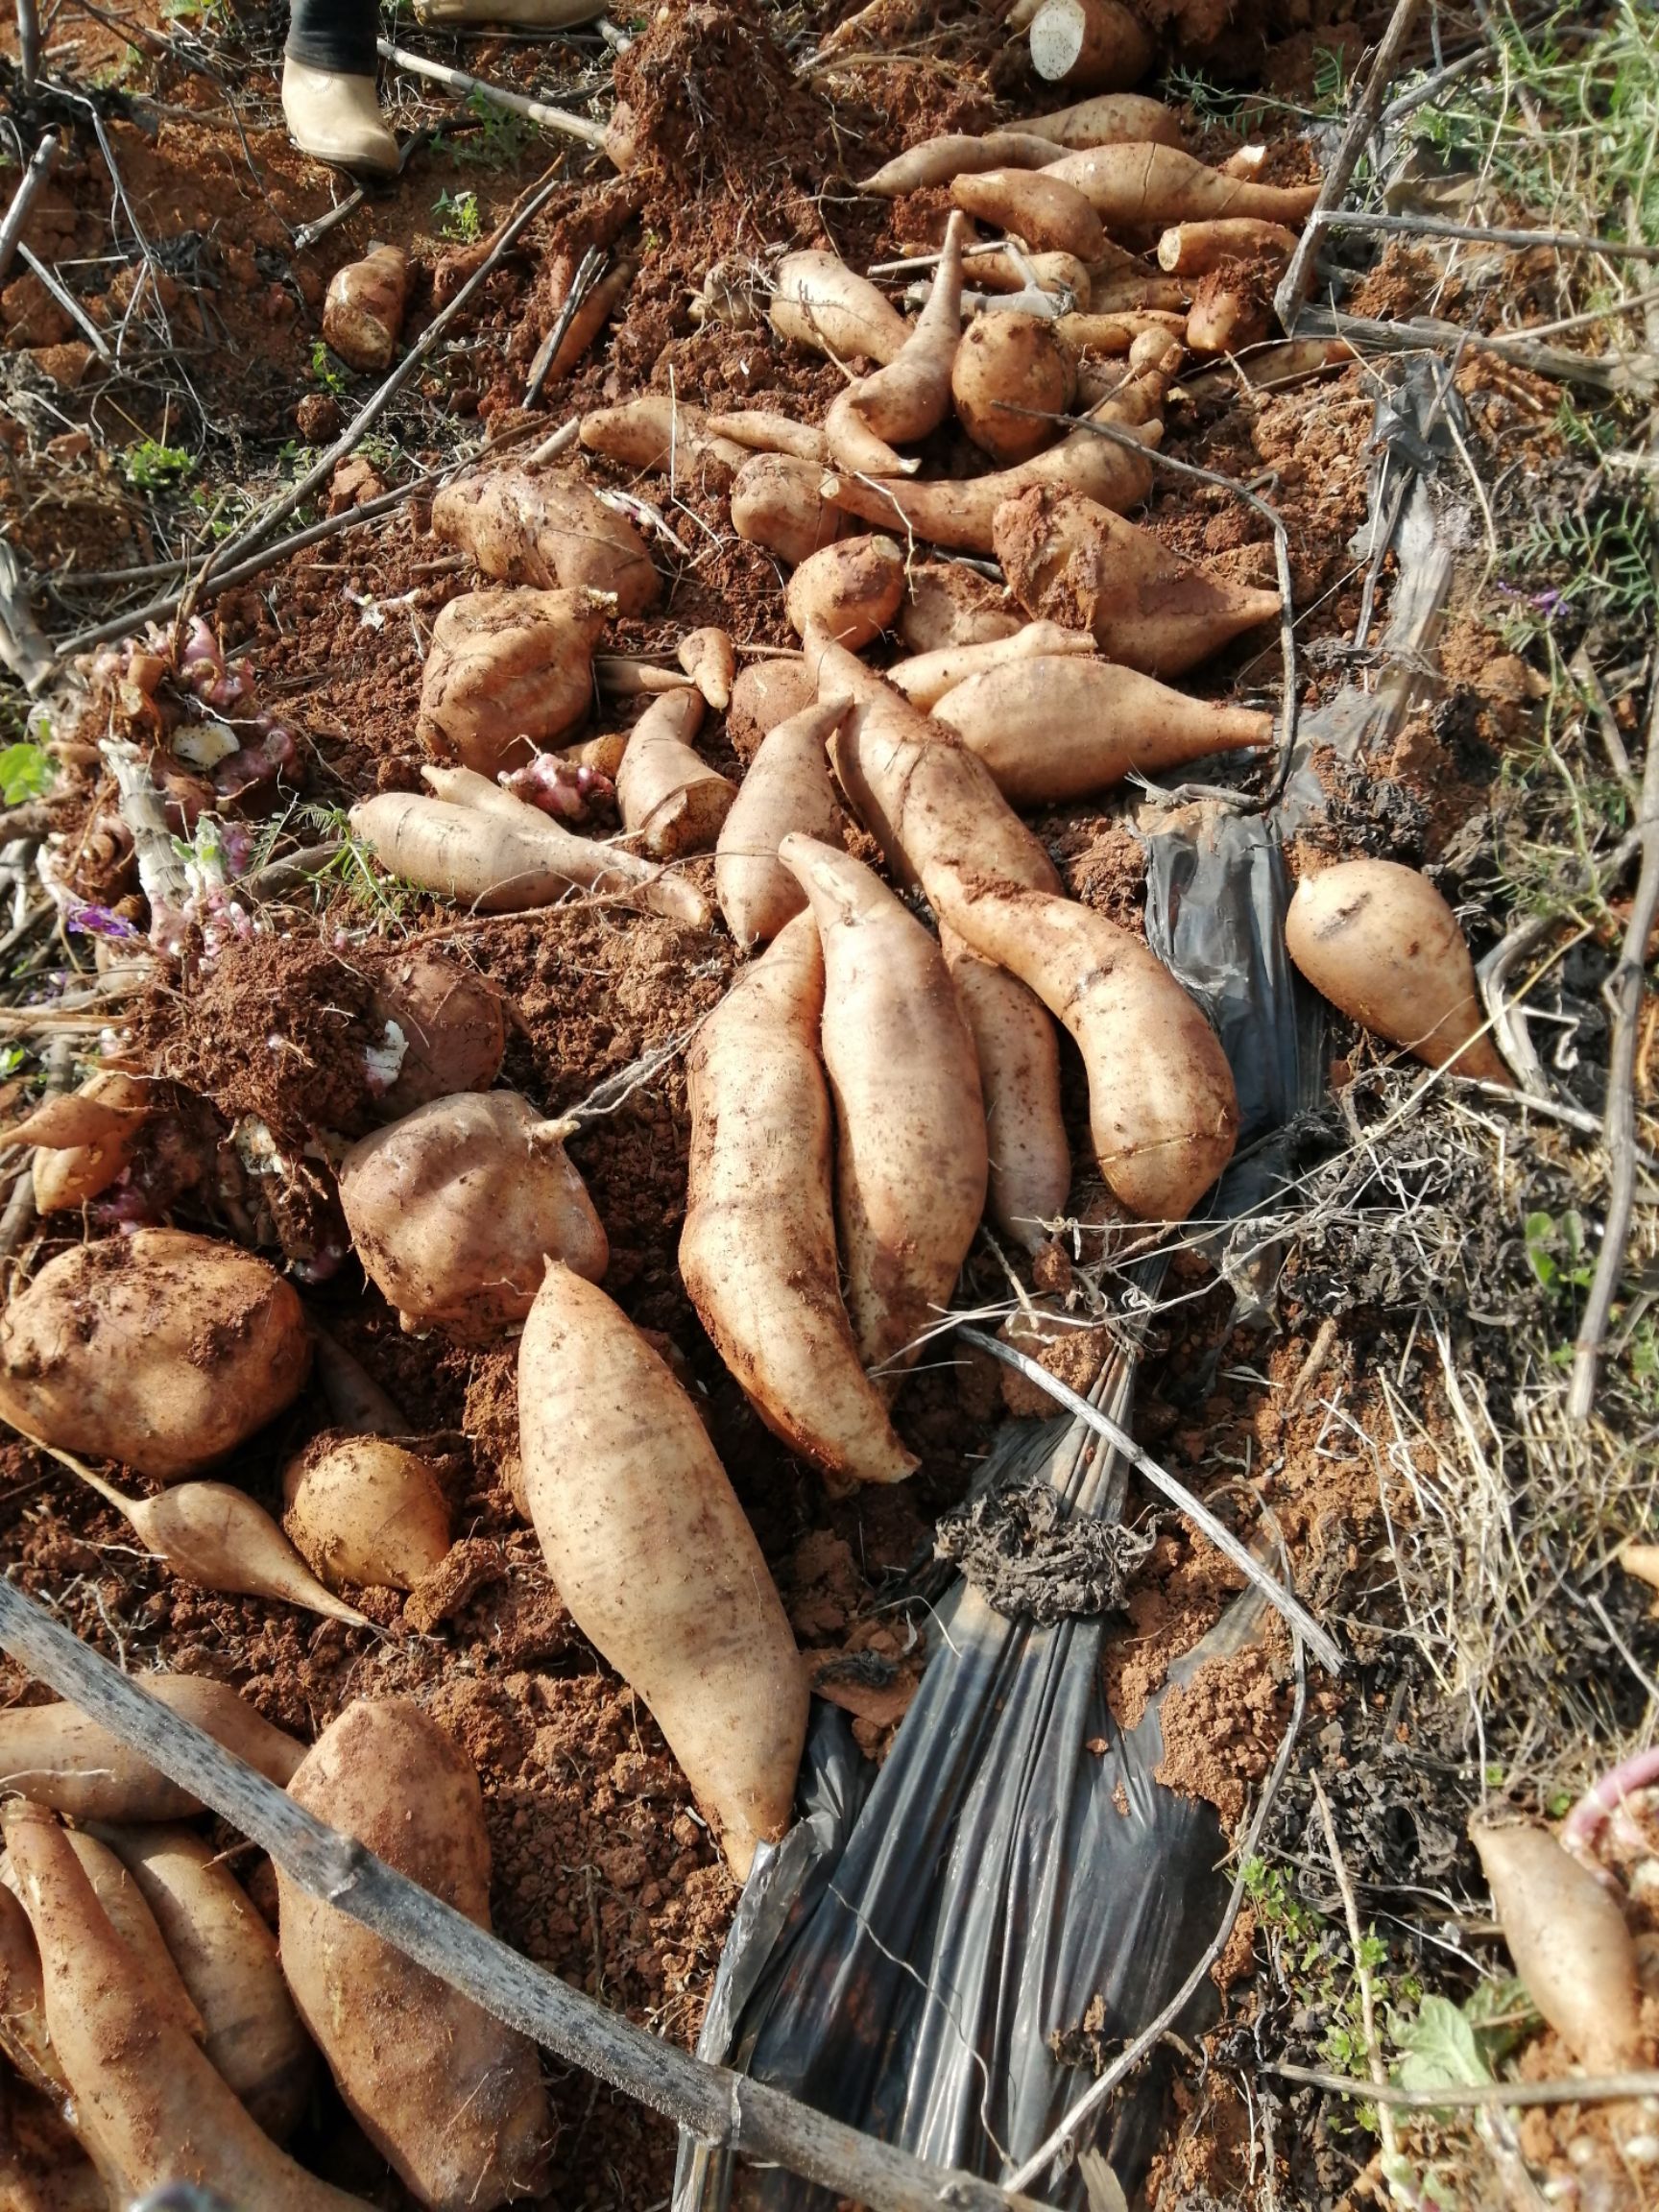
{"x": 337, "y": 119}
{"x": 540, "y": 14}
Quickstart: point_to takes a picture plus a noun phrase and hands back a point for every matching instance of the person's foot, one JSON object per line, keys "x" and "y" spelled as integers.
{"x": 542, "y": 15}
{"x": 337, "y": 119}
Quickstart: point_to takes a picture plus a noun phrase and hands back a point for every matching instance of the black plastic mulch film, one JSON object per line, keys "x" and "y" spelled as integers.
{"x": 907, "y": 1957}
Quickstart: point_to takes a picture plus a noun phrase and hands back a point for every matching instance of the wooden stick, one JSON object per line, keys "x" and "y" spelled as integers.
{"x": 718, "y": 2106}
{"x": 1478, "y": 233}
{"x": 315, "y": 477}
{"x": 1293, "y": 284}
{"x": 516, "y": 103}
{"x": 29, "y": 44}
{"x": 1455, "y": 2096}
{"x": 67, "y": 300}
{"x": 40, "y": 167}
{"x": 1320, "y": 1642}
{"x": 1124, "y": 2064}
{"x": 1624, "y": 992}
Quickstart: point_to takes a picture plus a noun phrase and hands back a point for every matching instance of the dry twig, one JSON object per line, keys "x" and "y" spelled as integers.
{"x": 44, "y": 161}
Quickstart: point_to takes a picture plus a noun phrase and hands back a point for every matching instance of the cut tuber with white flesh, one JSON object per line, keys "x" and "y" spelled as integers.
{"x": 1570, "y": 1943}
{"x": 363, "y": 310}
{"x": 758, "y": 1252}
{"x": 650, "y": 1549}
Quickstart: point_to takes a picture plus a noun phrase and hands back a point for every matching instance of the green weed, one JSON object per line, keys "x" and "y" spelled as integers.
{"x": 326, "y": 370}
{"x": 149, "y": 466}
{"x": 459, "y": 217}
{"x": 26, "y": 772}
{"x": 497, "y": 145}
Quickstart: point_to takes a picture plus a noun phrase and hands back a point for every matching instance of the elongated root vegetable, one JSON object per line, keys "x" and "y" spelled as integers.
{"x": 227, "y": 1958}
{"x": 1004, "y": 269}
{"x": 1073, "y": 561}
{"x": 1061, "y": 727}
{"x": 851, "y": 591}
{"x": 653, "y": 1555}
{"x": 931, "y": 676}
{"x": 763, "y": 431}
{"x": 960, "y": 154}
{"x": 930, "y": 804}
{"x": 962, "y": 515}
{"x": 509, "y": 672}
{"x": 821, "y": 304}
{"x": 710, "y": 658}
{"x": 1048, "y": 213}
{"x": 133, "y": 1924}
{"x": 1149, "y": 187}
{"x": 549, "y": 531}
{"x": 765, "y": 693}
{"x": 1570, "y": 1944}
{"x": 777, "y": 503}
{"x": 214, "y": 1535}
{"x": 552, "y": 363}
{"x": 160, "y": 1349}
{"x": 23, "y": 2034}
{"x": 364, "y": 1509}
{"x": 1095, "y": 46}
{"x": 788, "y": 787}
{"x": 671, "y": 799}
{"x": 657, "y": 432}
{"x": 1162, "y": 1112}
{"x": 363, "y": 309}
{"x": 1109, "y": 119}
{"x": 450, "y": 2096}
{"x": 451, "y": 1024}
{"x": 499, "y": 863}
{"x": 1010, "y": 371}
{"x": 455, "y": 1210}
{"x": 1194, "y": 248}
{"x": 149, "y": 2105}
{"x": 1231, "y": 308}
{"x": 1380, "y": 942}
{"x": 757, "y": 1253}
{"x": 1018, "y": 1056}
{"x": 911, "y": 395}
{"x": 950, "y": 604}
{"x": 62, "y": 1758}
{"x": 911, "y": 1174}
{"x": 86, "y": 1139}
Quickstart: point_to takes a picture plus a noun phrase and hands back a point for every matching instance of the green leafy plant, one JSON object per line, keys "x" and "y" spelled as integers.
{"x": 150, "y": 466}
{"x": 326, "y": 370}
{"x": 459, "y": 217}
{"x": 1555, "y": 1251}
{"x": 499, "y": 141}
{"x": 26, "y": 772}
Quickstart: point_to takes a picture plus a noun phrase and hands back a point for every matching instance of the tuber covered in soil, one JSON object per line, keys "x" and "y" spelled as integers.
{"x": 509, "y": 673}
{"x": 365, "y": 1510}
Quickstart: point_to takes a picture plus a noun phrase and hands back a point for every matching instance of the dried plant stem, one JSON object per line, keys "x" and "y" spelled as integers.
{"x": 1455, "y": 2095}
{"x": 28, "y": 43}
{"x": 1367, "y": 1989}
{"x": 718, "y": 2106}
{"x": 515, "y": 102}
{"x": 40, "y": 167}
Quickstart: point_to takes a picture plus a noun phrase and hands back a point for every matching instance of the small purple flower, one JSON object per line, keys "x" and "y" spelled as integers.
{"x": 98, "y": 922}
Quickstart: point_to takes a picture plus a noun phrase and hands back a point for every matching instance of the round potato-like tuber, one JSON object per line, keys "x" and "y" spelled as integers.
{"x": 950, "y": 603}
{"x": 1049, "y": 214}
{"x": 777, "y": 503}
{"x": 1380, "y": 942}
{"x": 364, "y": 1509}
{"x": 551, "y": 531}
{"x": 671, "y": 799}
{"x": 653, "y": 1555}
{"x": 1010, "y": 371}
{"x": 788, "y": 787}
{"x": 363, "y": 309}
{"x": 448, "y": 2095}
{"x": 456, "y": 1209}
{"x": 821, "y": 304}
{"x": 851, "y": 591}
{"x": 1570, "y": 1943}
{"x": 509, "y": 673}
{"x": 162, "y": 1350}
{"x": 765, "y": 693}
{"x": 452, "y": 1024}
{"x": 758, "y": 1252}
{"x": 911, "y": 1169}
{"x": 61, "y": 1756}
{"x": 226, "y": 1960}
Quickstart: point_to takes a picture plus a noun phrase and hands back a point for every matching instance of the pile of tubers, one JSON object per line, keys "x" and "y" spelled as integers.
{"x": 882, "y": 1077}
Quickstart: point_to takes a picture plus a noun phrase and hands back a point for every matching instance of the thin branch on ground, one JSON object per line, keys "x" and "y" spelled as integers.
{"x": 1357, "y": 1941}
{"x": 1459, "y": 2095}
{"x": 1477, "y": 234}
{"x": 538, "y": 111}
{"x": 40, "y": 167}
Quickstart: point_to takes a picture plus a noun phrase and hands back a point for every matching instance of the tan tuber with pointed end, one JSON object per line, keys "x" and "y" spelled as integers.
{"x": 448, "y": 2095}
{"x": 1380, "y": 942}
{"x": 149, "y": 2105}
{"x": 162, "y": 1350}
{"x": 1061, "y": 727}
{"x": 1018, "y": 1056}
{"x": 931, "y": 676}
{"x": 958, "y": 154}
{"x": 364, "y": 1509}
{"x": 761, "y": 431}
{"x": 1137, "y": 188}
{"x": 911, "y": 1168}
{"x": 84, "y": 1140}
{"x": 456, "y": 1209}
{"x": 664, "y": 435}
{"x": 788, "y": 787}
{"x": 552, "y": 531}
{"x": 821, "y": 304}
{"x": 710, "y": 658}
{"x": 134, "y": 1924}
{"x": 671, "y": 799}
{"x": 1011, "y": 371}
{"x": 1570, "y": 1944}
{"x": 508, "y": 674}
{"x": 60, "y": 1756}
{"x": 911, "y": 395}
{"x": 851, "y": 591}
{"x": 650, "y": 1549}
{"x": 1050, "y": 215}
{"x": 757, "y": 1253}
{"x": 1070, "y": 560}
{"x": 1108, "y": 119}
